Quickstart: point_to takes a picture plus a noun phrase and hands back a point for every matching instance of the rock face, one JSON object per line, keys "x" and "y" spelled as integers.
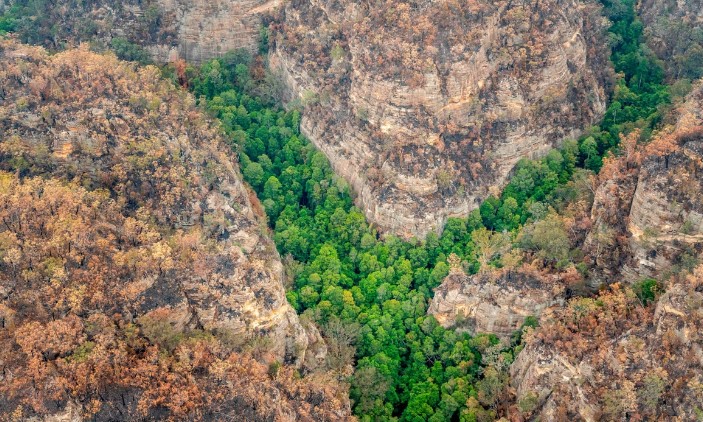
{"x": 207, "y": 28}
{"x": 132, "y": 251}
{"x": 192, "y": 30}
{"x": 496, "y": 303}
{"x": 425, "y": 107}
{"x": 611, "y": 359}
{"x": 659, "y": 190}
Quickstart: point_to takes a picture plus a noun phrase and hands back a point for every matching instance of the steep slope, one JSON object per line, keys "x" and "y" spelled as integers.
{"x": 648, "y": 214}
{"x": 674, "y": 30}
{"x": 207, "y": 29}
{"x": 192, "y": 30}
{"x": 133, "y": 253}
{"x": 611, "y": 357}
{"x": 426, "y": 107}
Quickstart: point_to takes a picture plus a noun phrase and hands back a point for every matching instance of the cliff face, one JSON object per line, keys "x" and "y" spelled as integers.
{"x": 611, "y": 359}
{"x": 207, "y": 29}
{"x": 425, "y": 107}
{"x": 648, "y": 214}
{"x": 129, "y": 240}
{"x": 192, "y": 30}
{"x": 496, "y": 303}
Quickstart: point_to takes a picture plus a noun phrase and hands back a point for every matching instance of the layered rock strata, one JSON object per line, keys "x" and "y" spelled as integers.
{"x": 206, "y": 29}
{"x": 426, "y": 107}
{"x": 648, "y": 215}
{"x": 493, "y": 302}
{"x": 618, "y": 356}
{"x": 169, "y": 29}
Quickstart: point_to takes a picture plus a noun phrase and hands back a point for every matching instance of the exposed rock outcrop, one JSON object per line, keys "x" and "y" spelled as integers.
{"x": 132, "y": 259}
{"x": 612, "y": 357}
{"x": 192, "y": 30}
{"x": 493, "y": 302}
{"x": 209, "y": 28}
{"x": 648, "y": 212}
{"x": 425, "y": 107}
{"x": 609, "y": 358}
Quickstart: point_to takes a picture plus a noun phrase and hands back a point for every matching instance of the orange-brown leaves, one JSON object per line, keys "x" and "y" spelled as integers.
{"x": 116, "y": 197}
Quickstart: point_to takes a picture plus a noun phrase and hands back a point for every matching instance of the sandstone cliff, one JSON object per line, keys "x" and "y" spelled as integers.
{"x": 616, "y": 357}
{"x": 426, "y": 107}
{"x": 129, "y": 239}
{"x": 192, "y": 30}
{"x": 609, "y": 358}
{"x": 493, "y": 302}
{"x": 206, "y": 29}
{"x": 647, "y": 214}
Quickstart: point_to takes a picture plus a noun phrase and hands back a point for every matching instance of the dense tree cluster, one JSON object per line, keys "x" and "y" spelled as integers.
{"x": 69, "y": 332}
{"x": 341, "y": 274}
{"x": 372, "y": 292}
{"x": 641, "y": 97}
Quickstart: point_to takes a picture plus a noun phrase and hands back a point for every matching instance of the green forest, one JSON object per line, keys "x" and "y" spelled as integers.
{"x": 370, "y": 294}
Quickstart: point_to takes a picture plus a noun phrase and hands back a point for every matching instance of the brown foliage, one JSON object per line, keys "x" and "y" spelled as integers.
{"x": 633, "y": 361}
{"x": 115, "y": 195}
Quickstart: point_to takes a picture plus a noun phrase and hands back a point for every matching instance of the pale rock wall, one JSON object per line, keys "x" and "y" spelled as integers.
{"x": 495, "y": 303}
{"x": 666, "y": 217}
{"x": 537, "y": 371}
{"x": 651, "y": 368}
{"x": 193, "y": 30}
{"x": 438, "y": 125}
{"x": 209, "y": 28}
{"x": 649, "y": 215}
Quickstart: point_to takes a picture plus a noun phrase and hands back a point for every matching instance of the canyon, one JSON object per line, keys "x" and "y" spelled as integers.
{"x": 139, "y": 278}
{"x": 421, "y": 115}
